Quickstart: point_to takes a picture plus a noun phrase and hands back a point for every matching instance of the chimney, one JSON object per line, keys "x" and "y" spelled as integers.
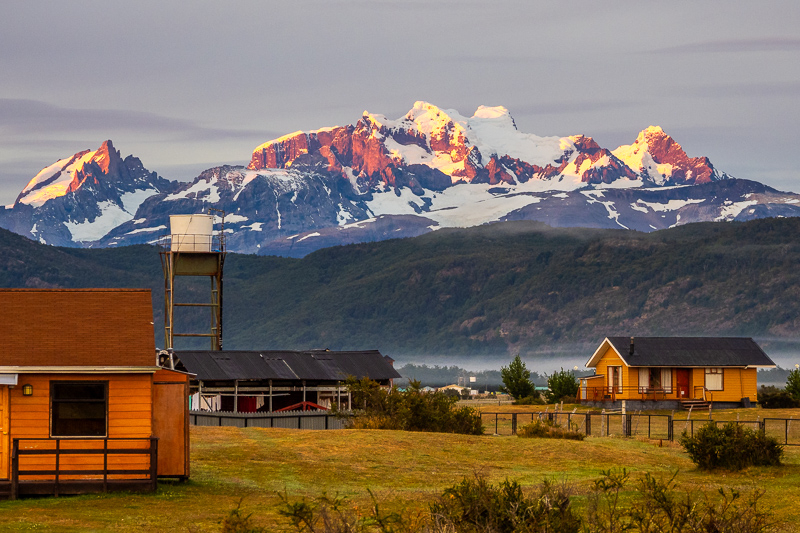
{"x": 631, "y": 352}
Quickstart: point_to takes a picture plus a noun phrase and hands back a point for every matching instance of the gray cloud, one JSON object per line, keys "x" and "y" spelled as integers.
{"x": 736, "y": 46}
{"x": 22, "y": 117}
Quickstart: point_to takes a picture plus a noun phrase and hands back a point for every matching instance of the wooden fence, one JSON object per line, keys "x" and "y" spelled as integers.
{"x": 785, "y": 430}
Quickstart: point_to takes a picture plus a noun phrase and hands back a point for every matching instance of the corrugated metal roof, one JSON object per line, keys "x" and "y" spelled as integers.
{"x": 286, "y": 365}
{"x": 691, "y": 351}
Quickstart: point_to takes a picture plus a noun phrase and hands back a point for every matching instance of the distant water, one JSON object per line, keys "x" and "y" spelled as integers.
{"x": 549, "y": 363}
{"x": 540, "y": 364}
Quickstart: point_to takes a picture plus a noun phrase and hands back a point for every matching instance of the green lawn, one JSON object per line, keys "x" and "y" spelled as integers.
{"x": 404, "y": 469}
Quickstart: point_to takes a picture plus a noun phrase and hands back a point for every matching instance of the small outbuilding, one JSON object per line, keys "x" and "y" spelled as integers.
{"x": 83, "y": 406}
{"x": 665, "y": 372}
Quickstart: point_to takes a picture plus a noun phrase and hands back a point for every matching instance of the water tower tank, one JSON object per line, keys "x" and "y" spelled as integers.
{"x": 191, "y": 233}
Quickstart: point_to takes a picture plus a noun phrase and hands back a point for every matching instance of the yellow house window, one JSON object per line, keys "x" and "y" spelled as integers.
{"x": 614, "y": 379}
{"x": 714, "y": 379}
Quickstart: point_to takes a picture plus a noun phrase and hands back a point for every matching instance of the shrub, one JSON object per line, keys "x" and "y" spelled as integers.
{"x": 476, "y": 505}
{"x": 547, "y": 429}
{"x": 238, "y": 522}
{"x": 776, "y": 400}
{"x": 410, "y": 410}
{"x": 731, "y": 446}
{"x": 535, "y": 399}
{"x": 517, "y": 379}
{"x": 660, "y": 506}
{"x": 562, "y": 385}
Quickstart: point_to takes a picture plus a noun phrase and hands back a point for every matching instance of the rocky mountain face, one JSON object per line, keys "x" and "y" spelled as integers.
{"x": 78, "y": 200}
{"x": 381, "y": 178}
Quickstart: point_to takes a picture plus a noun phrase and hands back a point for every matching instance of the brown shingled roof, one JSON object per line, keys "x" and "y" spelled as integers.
{"x": 76, "y": 327}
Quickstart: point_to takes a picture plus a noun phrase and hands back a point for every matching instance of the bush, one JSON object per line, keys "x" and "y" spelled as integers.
{"x": 563, "y": 386}
{"x": 477, "y": 505}
{"x": 517, "y": 379}
{"x": 409, "y": 410}
{"x": 547, "y": 429}
{"x": 535, "y": 399}
{"x": 780, "y": 399}
{"x": 660, "y": 506}
{"x": 731, "y": 446}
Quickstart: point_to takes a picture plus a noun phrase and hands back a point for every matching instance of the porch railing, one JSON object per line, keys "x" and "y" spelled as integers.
{"x": 63, "y": 459}
{"x": 607, "y": 393}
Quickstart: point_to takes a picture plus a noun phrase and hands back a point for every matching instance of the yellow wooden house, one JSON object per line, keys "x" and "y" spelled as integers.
{"x": 663, "y": 372}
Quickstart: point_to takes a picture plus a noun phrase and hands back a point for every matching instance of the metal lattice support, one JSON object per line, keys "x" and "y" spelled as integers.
{"x": 193, "y": 255}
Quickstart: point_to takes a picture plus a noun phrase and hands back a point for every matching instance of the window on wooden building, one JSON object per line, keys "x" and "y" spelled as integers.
{"x": 78, "y": 409}
{"x": 655, "y": 379}
{"x": 714, "y": 379}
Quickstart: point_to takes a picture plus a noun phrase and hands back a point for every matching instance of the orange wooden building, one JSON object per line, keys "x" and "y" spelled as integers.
{"x": 666, "y": 372}
{"x": 83, "y": 406}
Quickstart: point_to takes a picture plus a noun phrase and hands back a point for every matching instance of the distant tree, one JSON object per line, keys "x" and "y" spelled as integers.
{"x": 561, "y": 384}
{"x": 516, "y": 379}
{"x": 793, "y": 384}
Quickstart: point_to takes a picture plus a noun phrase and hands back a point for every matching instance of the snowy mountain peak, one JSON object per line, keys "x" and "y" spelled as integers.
{"x": 656, "y": 156}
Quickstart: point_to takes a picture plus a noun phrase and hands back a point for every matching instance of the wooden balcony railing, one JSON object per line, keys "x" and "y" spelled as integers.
{"x": 59, "y": 461}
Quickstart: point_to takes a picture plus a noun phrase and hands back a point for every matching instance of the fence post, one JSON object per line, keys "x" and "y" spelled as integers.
{"x": 14, "y": 469}
{"x": 514, "y": 423}
{"x": 58, "y": 462}
{"x": 588, "y": 424}
{"x": 628, "y": 425}
{"x": 154, "y": 462}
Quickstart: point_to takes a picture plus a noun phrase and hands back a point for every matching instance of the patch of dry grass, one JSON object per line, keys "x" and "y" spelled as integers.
{"x": 405, "y": 470}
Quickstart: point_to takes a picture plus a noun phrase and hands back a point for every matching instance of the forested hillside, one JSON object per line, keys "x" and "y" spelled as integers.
{"x": 496, "y": 289}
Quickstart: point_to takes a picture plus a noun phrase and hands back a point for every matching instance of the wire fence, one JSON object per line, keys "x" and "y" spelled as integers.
{"x": 651, "y": 426}
{"x": 591, "y": 424}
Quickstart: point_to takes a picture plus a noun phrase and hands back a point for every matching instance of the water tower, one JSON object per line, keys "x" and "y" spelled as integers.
{"x": 193, "y": 249}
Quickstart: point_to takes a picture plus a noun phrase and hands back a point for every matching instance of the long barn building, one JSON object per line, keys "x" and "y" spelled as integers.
{"x": 269, "y": 380}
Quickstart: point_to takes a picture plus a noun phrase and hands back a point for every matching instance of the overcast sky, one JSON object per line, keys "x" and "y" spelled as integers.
{"x": 186, "y": 86}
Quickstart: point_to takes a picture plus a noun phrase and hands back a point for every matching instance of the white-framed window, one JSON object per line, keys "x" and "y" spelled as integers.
{"x": 655, "y": 379}
{"x": 666, "y": 380}
{"x": 615, "y": 379}
{"x": 714, "y": 379}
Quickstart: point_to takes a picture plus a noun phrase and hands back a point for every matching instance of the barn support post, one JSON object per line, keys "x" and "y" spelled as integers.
{"x": 270, "y": 397}
{"x": 236, "y": 396}
{"x": 304, "y": 394}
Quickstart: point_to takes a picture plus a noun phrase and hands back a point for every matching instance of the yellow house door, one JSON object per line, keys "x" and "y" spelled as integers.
{"x": 5, "y": 444}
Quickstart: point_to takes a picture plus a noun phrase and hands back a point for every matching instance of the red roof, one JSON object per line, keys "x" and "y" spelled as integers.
{"x": 77, "y": 327}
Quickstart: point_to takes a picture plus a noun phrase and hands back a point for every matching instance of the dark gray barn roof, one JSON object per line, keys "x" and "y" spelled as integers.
{"x": 691, "y": 351}
{"x": 314, "y": 365}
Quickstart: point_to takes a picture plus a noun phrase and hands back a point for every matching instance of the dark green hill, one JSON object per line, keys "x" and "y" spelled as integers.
{"x": 495, "y": 289}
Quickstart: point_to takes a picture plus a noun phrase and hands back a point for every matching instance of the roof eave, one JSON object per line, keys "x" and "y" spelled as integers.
{"x": 79, "y": 369}
{"x": 598, "y": 354}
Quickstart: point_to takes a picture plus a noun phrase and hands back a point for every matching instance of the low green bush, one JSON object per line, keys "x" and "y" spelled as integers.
{"x": 475, "y": 505}
{"x": 547, "y": 429}
{"x": 411, "y": 409}
{"x": 534, "y": 399}
{"x": 731, "y": 446}
{"x": 774, "y": 398}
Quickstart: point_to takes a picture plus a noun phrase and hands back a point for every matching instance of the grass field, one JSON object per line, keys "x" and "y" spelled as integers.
{"x": 403, "y": 469}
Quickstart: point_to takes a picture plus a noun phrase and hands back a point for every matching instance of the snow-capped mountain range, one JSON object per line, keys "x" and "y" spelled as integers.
{"x": 382, "y": 178}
